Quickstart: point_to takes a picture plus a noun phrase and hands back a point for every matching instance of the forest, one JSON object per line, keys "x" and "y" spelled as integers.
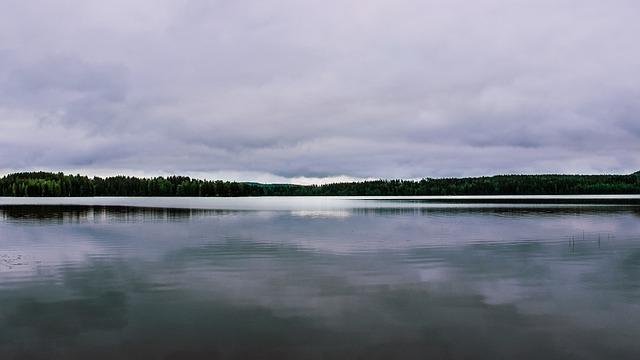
{"x": 60, "y": 184}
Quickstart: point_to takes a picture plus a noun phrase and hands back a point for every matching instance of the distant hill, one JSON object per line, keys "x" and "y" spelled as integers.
{"x": 59, "y": 184}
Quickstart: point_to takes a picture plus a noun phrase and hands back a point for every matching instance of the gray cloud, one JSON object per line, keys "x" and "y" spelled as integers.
{"x": 410, "y": 89}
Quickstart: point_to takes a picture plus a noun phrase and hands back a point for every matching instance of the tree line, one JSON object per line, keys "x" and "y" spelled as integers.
{"x": 59, "y": 184}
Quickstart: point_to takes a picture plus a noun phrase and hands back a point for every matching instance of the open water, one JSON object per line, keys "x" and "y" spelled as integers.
{"x": 320, "y": 278}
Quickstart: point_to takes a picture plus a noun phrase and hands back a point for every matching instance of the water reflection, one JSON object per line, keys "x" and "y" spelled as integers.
{"x": 358, "y": 283}
{"x": 70, "y": 317}
{"x": 50, "y": 214}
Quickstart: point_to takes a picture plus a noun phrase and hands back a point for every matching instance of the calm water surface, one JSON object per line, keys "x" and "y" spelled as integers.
{"x": 319, "y": 278}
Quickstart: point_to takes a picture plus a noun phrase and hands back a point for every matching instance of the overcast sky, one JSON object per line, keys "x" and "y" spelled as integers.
{"x": 294, "y": 90}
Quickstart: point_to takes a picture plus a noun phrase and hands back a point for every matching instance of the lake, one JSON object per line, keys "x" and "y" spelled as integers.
{"x": 320, "y": 278}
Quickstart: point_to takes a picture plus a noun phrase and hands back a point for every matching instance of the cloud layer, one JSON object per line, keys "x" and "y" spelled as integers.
{"x": 287, "y": 89}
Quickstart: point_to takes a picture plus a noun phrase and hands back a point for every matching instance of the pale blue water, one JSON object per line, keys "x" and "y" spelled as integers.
{"x": 318, "y": 278}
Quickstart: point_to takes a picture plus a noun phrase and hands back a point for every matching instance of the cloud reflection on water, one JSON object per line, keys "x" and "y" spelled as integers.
{"x": 375, "y": 284}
